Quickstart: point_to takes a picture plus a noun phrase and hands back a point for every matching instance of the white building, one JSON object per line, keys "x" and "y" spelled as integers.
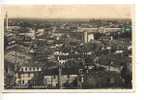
{"x": 88, "y": 37}
{"x": 25, "y": 74}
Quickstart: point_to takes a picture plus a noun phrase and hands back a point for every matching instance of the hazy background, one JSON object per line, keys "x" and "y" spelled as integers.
{"x": 69, "y": 11}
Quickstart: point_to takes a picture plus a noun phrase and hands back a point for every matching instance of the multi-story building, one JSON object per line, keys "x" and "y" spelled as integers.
{"x": 25, "y": 74}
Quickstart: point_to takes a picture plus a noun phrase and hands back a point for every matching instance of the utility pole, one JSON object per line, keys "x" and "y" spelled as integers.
{"x": 59, "y": 74}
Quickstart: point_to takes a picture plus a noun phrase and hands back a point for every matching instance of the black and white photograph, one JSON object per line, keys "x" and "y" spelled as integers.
{"x": 68, "y": 47}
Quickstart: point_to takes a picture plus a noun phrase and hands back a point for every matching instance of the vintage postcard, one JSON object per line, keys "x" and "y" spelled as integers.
{"x": 67, "y": 48}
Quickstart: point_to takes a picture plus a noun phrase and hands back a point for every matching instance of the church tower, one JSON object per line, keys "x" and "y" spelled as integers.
{"x": 6, "y": 22}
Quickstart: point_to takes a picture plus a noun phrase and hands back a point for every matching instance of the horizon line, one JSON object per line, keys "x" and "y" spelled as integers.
{"x": 63, "y": 18}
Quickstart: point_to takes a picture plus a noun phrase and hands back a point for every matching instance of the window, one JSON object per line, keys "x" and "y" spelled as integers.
{"x": 22, "y": 82}
{"x": 30, "y": 69}
{"x": 21, "y": 69}
{"x": 33, "y": 69}
{"x": 26, "y": 69}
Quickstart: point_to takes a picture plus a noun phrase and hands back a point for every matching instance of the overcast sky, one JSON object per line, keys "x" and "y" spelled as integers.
{"x": 70, "y": 11}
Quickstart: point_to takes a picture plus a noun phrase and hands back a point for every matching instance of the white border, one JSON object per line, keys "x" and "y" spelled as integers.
{"x": 77, "y": 90}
